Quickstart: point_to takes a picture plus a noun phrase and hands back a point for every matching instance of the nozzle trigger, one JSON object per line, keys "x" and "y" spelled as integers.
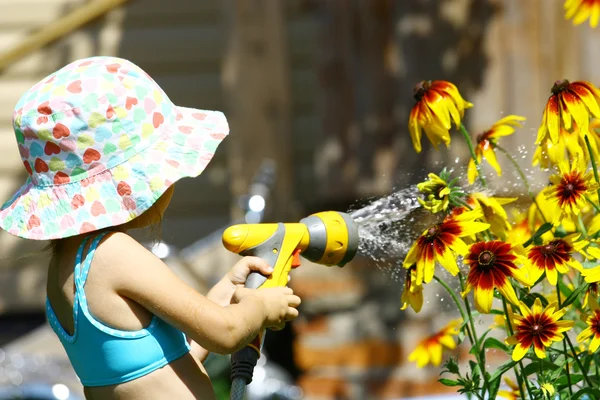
{"x": 296, "y": 258}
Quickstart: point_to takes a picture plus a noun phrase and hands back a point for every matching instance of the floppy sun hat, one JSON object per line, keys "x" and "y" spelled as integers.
{"x": 101, "y": 142}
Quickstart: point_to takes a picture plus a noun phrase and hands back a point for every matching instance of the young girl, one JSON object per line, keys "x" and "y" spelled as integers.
{"x": 103, "y": 146}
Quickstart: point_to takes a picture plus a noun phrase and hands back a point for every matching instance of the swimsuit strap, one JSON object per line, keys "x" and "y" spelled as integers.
{"x": 82, "y": 271}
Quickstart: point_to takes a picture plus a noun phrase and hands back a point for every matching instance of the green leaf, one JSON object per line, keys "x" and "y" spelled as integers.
{"x": 539, "y": 364}
{"x": 493, "y": 343}
{"x": 592, "y": 393}
{"x": 558, "y": 371}
{"x": 448, "y": 382}
{"x": 461, "y": 336}
{"x": 494, "y": 386}
{"x": 573, "y": 296}
{"x": 474, "y": 367}
{"x": 482, "y": 337}
{"x": 575, "y": 378}
{"x": 541, "y": 230}
{"x": 541, "y": 297}
{"x": 502, "y": 369}
{"x": 497, "y": 376}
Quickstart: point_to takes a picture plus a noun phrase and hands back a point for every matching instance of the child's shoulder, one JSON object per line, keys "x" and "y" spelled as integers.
{"x": 119, "y": 248}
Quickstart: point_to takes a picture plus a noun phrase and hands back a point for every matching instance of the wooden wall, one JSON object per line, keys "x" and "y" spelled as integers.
{"x": 504, "y": 55}
{"x": 181, "y": 43}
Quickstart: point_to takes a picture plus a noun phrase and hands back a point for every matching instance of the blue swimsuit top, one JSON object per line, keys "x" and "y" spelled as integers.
{"x": 102, "y": 355}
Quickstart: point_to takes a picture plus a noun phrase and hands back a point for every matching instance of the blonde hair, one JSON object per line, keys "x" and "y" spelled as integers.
{"x": 153, "y": 230}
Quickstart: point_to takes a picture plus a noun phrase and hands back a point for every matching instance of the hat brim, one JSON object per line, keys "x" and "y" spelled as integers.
{"x": 118, "y": 195}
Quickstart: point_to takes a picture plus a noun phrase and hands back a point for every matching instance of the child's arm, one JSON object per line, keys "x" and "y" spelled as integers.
{"x": 140, "y": 276}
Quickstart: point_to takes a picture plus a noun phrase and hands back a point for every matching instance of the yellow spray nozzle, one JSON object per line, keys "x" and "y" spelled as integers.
{"x": 328, "y": 238}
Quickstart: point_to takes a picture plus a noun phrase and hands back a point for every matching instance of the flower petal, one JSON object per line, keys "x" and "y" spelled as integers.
{"x": 484, "y": 294}
{"x": 507, "y": 291}
{"x": 519, "y": 352}
{"x": 490, "y": 156}
{"x": 587, "y": 98}
{"x": 415, "y": 128}
{"x": 552, "y": 276}
{"x": 578, "y": 111}
{"x": 447, "y": 260}
{"x": 553, "y": 118}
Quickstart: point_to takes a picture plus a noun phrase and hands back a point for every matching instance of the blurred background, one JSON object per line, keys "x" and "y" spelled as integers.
{"x": 318, "y": 94}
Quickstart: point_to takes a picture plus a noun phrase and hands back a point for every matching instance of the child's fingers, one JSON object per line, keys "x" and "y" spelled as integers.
{"x": 291, "y": 314}
{"x": 255, "y": 264}
{"x": 240, "y": 293}
{"x": 294, "y": 301}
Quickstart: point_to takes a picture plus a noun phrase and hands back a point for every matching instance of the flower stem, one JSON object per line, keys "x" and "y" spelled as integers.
{"x": 476, "y": 339}
{"x": 523, "y": 178}
{"x": 460, "y": 309}
{"x": 581, "y": 225}
{"x": 583, "y": 372}
{"x": 564, "y": 344}
{"x": 520, "y": 377}
{"x": 568, "y": 340}
{"x": 467, "y": 137}
{"x": 592, "y": 203}
{"x": 594, "y": 167}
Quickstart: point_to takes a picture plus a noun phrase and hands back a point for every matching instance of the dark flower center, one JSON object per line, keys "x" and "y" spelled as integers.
{"x": 482, "y": 136}
{"x": 420, "y": 89}
{"x": 535, "y": 329}
{"x": 486, "y": 258}
{"x": 596, "y": 325}
{"x": 560, "y": 86}
{"x": 548, "y": 249}
{"x": 433, "y": 231}
{"x": 569, "y": 189}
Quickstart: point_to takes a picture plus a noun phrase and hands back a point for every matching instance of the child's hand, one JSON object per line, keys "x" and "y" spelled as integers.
{"x": 279, "y": 304}
{"x": 240, "y": 271}
{"x": 222, "y": 292}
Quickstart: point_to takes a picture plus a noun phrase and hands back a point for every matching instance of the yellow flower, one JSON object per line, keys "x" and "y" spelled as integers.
{"x": 551, "y": 213}
{"x": 537, "y": 327}
{"x": 438, "y": 104}
{"x": 493, "y": 212}
{"x": 513, "y": 394}
{"x": 413, "y": 293}
{"x": 492, "y": 264}
{"x": 580, "y": 10}
{"x": 569, "y": 190}
{"x": 488, "y": 140}
{"x": 570, "y": 145}
{"x": 593, "y": 329}
{"x": 554, "y": 257}
{"x": 436, "y": 192}
{"x": 429, "y": 350}
{"x": 591, "y": 275}
{"x": 438, "y": 243}
{"x": 569, "y": 106}
{"x": 520, "y": 231}
{"x": 547, "y": 389}
{"x": 592, "y": 291}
